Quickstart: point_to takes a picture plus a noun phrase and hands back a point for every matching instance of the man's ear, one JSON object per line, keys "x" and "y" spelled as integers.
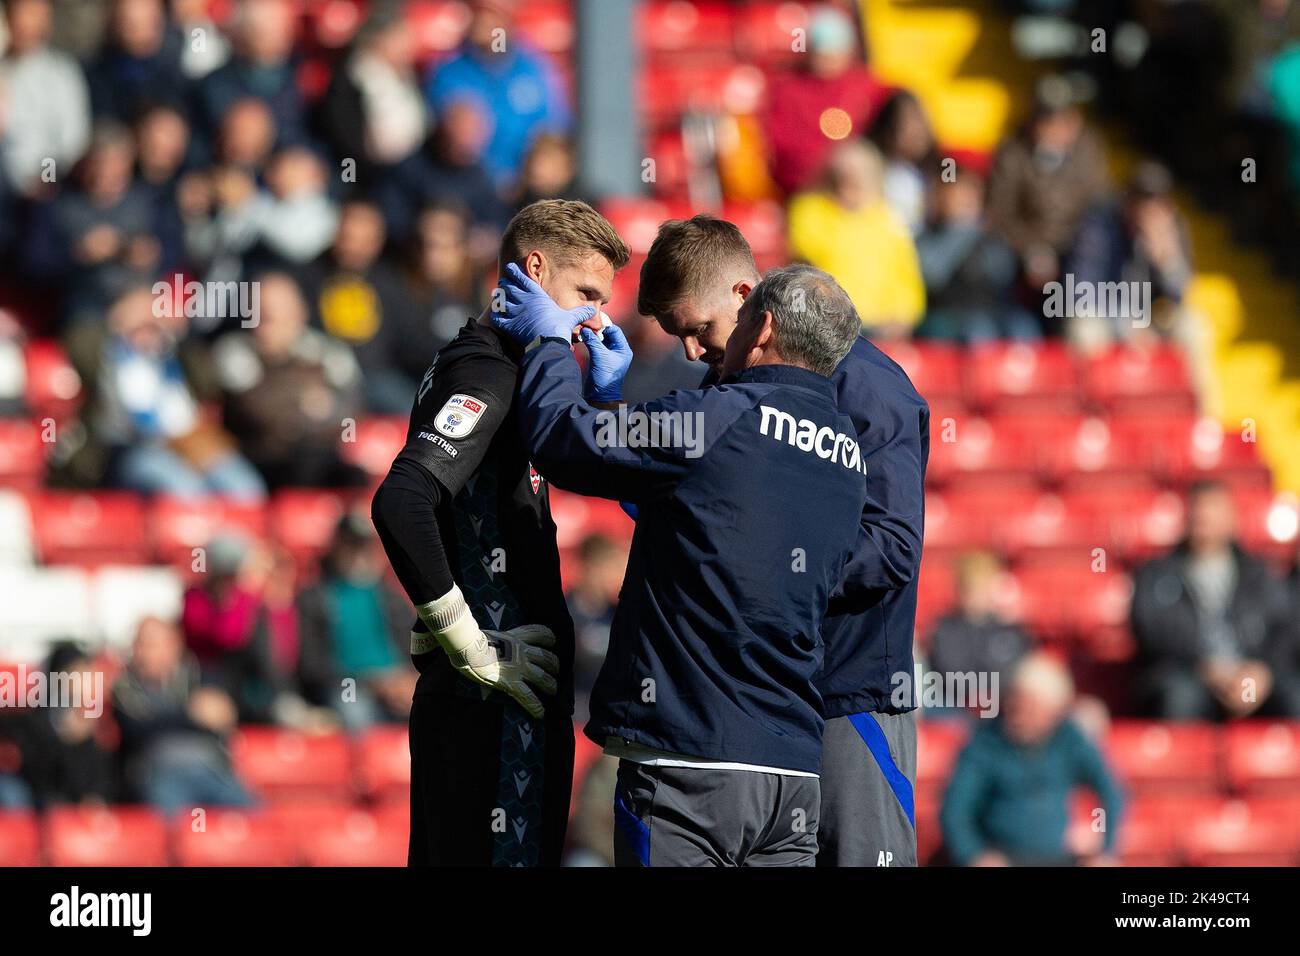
{"x": 535, "y": 266}
{"x": 763, "y": 340}
{"x": 741, "y": 290}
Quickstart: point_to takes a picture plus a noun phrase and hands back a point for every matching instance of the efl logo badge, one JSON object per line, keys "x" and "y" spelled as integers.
{"x": 534, "y": 478}
{"x": 459, "y": 416}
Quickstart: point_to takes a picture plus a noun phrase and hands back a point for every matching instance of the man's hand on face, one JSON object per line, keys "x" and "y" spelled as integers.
{"x": 523, "y": 310}
{"x": 611, "y": 356}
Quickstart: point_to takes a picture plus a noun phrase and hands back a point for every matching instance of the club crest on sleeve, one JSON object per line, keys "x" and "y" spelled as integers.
{"x": 534, "y": 478}
{"x": 459, "y": 416}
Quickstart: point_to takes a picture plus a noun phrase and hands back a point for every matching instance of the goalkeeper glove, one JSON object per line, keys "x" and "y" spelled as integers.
{"x": 515, "y": 661}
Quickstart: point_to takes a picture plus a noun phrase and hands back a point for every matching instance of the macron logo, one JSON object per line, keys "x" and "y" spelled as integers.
{"x": 824, "y": 442}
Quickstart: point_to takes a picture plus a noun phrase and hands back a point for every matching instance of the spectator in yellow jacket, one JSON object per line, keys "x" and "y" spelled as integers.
{"x": 847, "y": 229}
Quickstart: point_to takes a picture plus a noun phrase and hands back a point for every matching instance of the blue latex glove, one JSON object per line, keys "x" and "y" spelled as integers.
{"x": 525, "y": 312}
{"x": 610, "y": 358}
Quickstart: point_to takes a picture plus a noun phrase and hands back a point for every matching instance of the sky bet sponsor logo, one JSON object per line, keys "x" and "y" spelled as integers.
{"x": 805, "y": 435}
{"x": 459, "y": 416}
{"x": 74, "y": 908}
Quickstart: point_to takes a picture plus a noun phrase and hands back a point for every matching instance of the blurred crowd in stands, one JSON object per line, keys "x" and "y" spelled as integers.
{"x": 351, "y": 200}
{"x": 1211, "y": 87}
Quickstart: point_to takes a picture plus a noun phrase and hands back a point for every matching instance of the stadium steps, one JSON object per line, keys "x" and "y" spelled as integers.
{"x": 958, "y": 57}
{"x": 1249, "y": 332}
{"x": 957, "y": 61}
{"x": 1255, "y": 343}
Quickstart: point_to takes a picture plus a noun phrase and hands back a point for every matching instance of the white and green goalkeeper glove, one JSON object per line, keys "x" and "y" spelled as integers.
{"x": 515, "y": 662}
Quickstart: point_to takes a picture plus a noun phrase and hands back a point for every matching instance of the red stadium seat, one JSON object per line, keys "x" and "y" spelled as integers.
{"x": 395, "y": 814}
{"x": 1153, "y": 757}
{"x": 946, "y": 414}
{"x": 234, "y": 838}
{"x": 1139, "y": 521}
{"x": 20, "y": 839}
{"x": 1259, "y": 831}
{"x": 374, "y": 443}
{"x": 1015, "y": 376}
{"x": 672, "y": 167}
{"x": 384, "y": 763}
{"x": 547, "y": 24}
{"x": 936, "y": 591}
{"x": 577, "y": 516}
{"x": 1066, "y": 597}
{"x": 1139, "y": 378}
{"x": 1148, "y": 834}
{"x": 935, "y": 370}
{"x": 928, "y": 799}
{"x": 1006, "y": 457}
{"x": 53, "y": 385}
{"x": 1186, "y": 448}
{"x": 89, "y": 528}
{"x": 954, "y": 523}
{"x": 299, "y": 818}
{"x": 622, "y": 304}
{"x": 1042, "y": 525}
{"x": 1088, "y": 452}
{"x": 179, "y": 525}
{"x": 637, "y": 220}
{"x": 286, "y": 764}
{"x": 332, "y": 23}
{"x": 585, "y": 755}
{"x": 938, "y": 742}
{"x": 763, "y": 225}
{"x": 666, "y": 93}
{"x": 116, "y": 836}
{"x": 304, "y": 519}
{"x": 22, "y": 453}
{"x": 1263, "y": 756}
{"x": 356, "y": 837}
{"x": 765, "y": 31}
{"x": 10, "y": 755}
{"x": 438, "y": 26}
{"x": 675, "y": 28}
{"x": 1268, "y": 524}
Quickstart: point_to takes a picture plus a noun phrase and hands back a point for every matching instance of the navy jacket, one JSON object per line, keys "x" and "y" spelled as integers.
{"x": 872, "y": 616}
{"x": 746, "y": 523}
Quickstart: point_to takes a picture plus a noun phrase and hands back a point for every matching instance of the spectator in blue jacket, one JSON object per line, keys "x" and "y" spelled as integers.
{"x": 96, "y": 239}
{"x": 263, "y": 68}
{"x": 452, "y": 166}
{"x": 139, "y": 64}
{"x": 510, "y": 83}
{"x": 1008, "y": 801}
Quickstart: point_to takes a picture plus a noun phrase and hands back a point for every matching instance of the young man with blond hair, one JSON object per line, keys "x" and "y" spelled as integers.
{"x": 465, "y": 520}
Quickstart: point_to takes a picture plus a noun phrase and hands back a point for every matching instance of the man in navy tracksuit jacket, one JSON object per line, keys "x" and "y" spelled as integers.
{"x": 696, "y": 276}
{"x": 868, "y": 812}
{"x": 750, "y": 496}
